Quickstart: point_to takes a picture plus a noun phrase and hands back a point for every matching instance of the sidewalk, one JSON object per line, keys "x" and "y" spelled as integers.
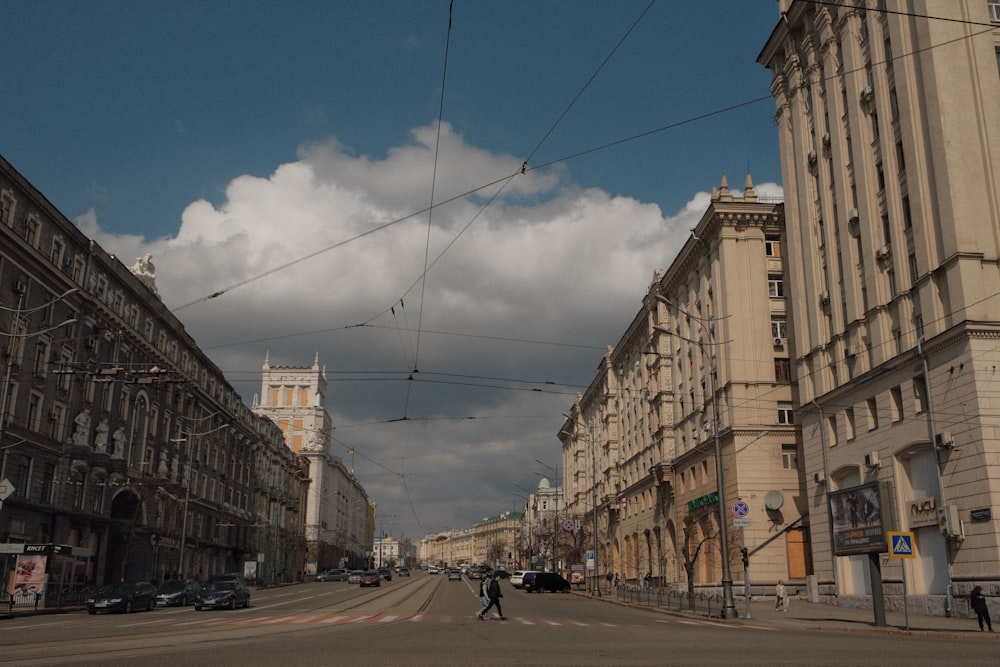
{"x": 805, "y": 615}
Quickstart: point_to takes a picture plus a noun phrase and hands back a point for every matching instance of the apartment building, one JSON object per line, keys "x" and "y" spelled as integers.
{"x": 703, "y": 367}
{"x": 889, "y": 129}
{"x": 339, "y": 516}
{"x": 127, "y": 453}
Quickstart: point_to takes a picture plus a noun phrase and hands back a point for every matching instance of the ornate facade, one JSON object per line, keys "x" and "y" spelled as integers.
{"x": 129, "y": 455}
{"x": 889, "y": 130}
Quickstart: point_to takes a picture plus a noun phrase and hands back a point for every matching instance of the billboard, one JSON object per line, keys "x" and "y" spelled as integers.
{"x": 859, "y": 519}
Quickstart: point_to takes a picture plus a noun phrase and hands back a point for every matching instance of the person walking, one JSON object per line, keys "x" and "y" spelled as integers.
{"x": 978, "y": 603}
{"x": 780, "y": 596}
{"x": 484, "y": 594}
{"x": 494, "y": 594}
{"x": 609, "y": 578}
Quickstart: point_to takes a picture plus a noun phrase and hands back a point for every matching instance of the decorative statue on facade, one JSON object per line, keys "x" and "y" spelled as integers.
{"x": 81, "y": 430}
{"x": 118, "y": 443}
{"x": 316, "y": 442}
{"x": 164, "y": 468}
{"x": 145, "y": 271}
{"x": 101, "y": 437}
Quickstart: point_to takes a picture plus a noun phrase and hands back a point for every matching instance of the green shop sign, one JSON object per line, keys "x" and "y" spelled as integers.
{"x": 706, "y": 499}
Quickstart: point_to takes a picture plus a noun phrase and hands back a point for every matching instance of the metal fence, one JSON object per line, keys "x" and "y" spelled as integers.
{"x": 50, "y": 597}
{"x": 668, "y": 598}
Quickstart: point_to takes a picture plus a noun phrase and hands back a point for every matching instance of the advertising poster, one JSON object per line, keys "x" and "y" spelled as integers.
{"x": 857, "y": 521}
{"x": 29, "y": 577}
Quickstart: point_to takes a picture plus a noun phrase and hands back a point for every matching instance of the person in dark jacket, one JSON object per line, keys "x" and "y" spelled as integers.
{"x": 978, "y": 603}
{"x": 495, "y": 595}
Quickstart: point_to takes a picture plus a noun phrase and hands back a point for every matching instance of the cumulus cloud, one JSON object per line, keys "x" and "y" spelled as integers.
{"x": 438, "y": 392}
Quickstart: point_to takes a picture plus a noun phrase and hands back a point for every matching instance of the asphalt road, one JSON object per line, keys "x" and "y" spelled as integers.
{"x": 428, "y": 620}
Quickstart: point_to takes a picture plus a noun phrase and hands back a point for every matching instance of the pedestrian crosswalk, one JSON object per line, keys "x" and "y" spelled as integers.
{"x": 373, "y": 619}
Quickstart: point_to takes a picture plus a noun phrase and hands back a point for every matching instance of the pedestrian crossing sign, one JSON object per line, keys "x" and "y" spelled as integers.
{"x": 901, "y": 545}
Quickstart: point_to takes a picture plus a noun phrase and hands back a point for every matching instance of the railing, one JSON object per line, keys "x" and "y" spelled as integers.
{"x": 667, "y": 598}
{"x": 52, "y": 597}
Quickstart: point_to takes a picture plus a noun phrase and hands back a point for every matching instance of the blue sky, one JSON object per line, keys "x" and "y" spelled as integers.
{"x": 228, "y": 138}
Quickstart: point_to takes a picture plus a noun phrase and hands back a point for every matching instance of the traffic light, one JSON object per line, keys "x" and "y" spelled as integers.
{"x": 746, "y": 556}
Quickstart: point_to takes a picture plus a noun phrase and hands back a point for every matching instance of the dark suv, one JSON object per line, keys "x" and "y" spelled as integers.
{"x": 545, "y": 581}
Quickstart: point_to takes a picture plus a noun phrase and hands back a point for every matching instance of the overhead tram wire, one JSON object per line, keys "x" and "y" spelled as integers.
{"x": 503, "y": 181}
{"x": 525, "y": 167}
{"x": 565, "y": 158}
{"x": 430, "y": 210}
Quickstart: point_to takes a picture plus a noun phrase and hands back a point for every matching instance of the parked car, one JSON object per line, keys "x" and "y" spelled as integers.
{"x": 336, "y": 574}
{"x": 178, "y": 592}
{"x": 225, "y": 594}
{"x": 385, "y": 573}
{"x": 454, "y": 574}
{"x": 546, "y": 581}
{"x": 403, "y": 571}
{"x": 517, "y": 578}
{"x": 125, "y": 597}
{"x": 355, "y": 576}
{"x": 370, "y": 578}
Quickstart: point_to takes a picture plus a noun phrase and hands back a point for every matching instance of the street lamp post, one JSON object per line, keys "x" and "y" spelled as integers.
{"x": 728, "y": 603}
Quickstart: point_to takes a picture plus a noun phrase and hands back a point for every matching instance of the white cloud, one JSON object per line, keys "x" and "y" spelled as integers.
{"x": 547, "y": 261}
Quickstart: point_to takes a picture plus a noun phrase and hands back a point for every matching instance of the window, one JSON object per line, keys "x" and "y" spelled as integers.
{"x": 7, "y": 208}
{"x": 994, "y": 7}
{"x": 22, "y": 476}
{"x": 782, "y": 370}
{"x": 772, "y": 246}
{"x": 849, "y": 425}
{"x": 896, "y": 403}
{"x": 891, "y": 277}
{"x": 57, "y": 252}
{"x": 914, "y": 271}
{"x": 831, "y": 431}
{"x": 34, "y": 411}
{"x": 41, "y": 357}
{"x": 48, "y": 483}
{"x": 31, "y": 228}
{"x": 779, "y": 327}
{"x": 56, "y": 418}
{"x": 775, "y": 286}
{"x": 786, "y": 415}
{"x": 872, "y": 413}
{"x": 919, "y": 394}
{"x": 790, "y": 457}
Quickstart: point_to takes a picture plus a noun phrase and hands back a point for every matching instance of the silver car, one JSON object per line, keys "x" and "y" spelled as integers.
{"x": 355, "y": 576}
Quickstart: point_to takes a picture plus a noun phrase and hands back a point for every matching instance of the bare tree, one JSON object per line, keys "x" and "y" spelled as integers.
{"x": 691, "y": 548}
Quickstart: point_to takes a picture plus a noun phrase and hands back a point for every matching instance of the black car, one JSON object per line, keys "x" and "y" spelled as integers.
{"x": 223, "y": 594}
{"x": 125, "y": 597}
{"x": 385, "y": 573}
{"x": 546, "y": 581}
{"x": 178, "y": 593}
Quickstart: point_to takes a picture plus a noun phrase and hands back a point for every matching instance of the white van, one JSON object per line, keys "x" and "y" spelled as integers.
{"x": 517, "y": 579}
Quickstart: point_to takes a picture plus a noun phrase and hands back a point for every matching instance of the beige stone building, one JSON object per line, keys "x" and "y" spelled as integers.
{"x": 339, "y": 516}
{"x": 706, "y": 357}
{"x": 889, "y": 129}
